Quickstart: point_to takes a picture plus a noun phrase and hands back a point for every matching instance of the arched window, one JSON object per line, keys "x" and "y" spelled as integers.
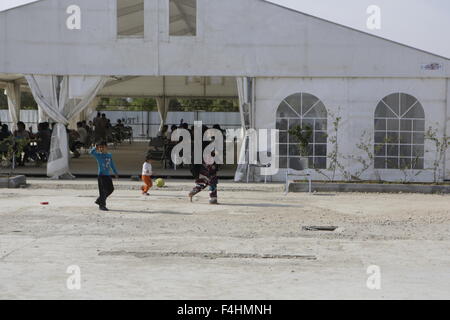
{"x": 305, "y": 110}
{"x": 399, "y": 133}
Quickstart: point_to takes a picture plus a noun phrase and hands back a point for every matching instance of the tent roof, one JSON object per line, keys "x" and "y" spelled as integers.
{"x": 357, "y": 30}
{"x": 185, "y": 15}
{"x": 272, "y": 41}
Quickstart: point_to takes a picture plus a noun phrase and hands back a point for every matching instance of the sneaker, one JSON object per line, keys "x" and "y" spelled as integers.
{"x": 213, "y": 201}
{"x": 103, "y": 208}
{"x": 145, "y": 194}
{"x": 97, "y": 203}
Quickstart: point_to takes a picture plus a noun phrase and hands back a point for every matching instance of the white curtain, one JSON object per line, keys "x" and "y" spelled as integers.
{"x": 62, "y": 98}
{"x": 245, "y": 92}
{"x": 14, "y": 101}
{"x": 241, "y": 94}
{"x": 163, "y": 109}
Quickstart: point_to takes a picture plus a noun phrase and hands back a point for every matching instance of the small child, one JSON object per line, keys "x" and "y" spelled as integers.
{"x": 147, "y": 176}
{"x": 105, "y": 166}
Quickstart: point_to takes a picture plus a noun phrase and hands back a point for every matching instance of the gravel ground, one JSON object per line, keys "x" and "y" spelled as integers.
{"x": 251, "y": 246}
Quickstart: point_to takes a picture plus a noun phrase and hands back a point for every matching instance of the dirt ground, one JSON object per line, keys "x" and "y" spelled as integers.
{"x": 251, "y": 246}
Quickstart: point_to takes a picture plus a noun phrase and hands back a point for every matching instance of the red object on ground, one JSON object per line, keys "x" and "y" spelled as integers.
{"x": 44, "y": 203}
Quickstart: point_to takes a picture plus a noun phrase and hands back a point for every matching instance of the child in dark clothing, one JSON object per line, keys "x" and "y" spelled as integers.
{"x": 205, "y": 175}
{"x": 105, "y": 165}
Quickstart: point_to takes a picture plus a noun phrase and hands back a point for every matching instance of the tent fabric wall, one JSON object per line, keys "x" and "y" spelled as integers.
{"x": 62, "y": 98}
{"x": 354, "y": 100}
{"x": 14, "y": 102}
{"x": 447, "y": 131}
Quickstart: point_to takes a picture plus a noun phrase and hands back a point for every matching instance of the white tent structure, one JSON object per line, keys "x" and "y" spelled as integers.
{"x": 285, "y": 66}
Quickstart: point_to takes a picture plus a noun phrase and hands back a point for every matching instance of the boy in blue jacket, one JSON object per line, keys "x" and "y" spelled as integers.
{"x": 105, "y": 166}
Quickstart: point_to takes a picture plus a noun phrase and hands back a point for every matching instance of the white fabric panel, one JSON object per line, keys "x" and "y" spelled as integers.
{"x": 240, "y": 86}
{"x": 245, "y": 93}
{"x": 163, "y": 109}
{"x": 14, "y": 101}
{"x": 58, "y": 161}
{"x": 447, "y": 133}
{"x": 62, "y": 98}
{"x": 45, "y": 91}
{"x": 240, "y": 171}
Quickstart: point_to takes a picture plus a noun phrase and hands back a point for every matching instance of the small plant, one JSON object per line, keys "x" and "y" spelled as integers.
{"x": 303, "y": 136}
{"x": 409, "y": 171}
{"x": 367, "y": 160}
{"x": 334, "y": 155}
{"x": 441, "y": 145}
{"x": 334, "y": 139}
{"x": 11, "y": 149}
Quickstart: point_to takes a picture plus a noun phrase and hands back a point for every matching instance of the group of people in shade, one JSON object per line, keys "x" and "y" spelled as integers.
{"x": 204, "y": 174}
{"x": 21, "y": 141}
{"x": 35, "y": 146}
{"x": 105, "y": 131}
{"x": 165, "y": 133}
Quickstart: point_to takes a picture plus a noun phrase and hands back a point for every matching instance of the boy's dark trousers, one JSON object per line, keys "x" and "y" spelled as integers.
{"x": 105, "y": 189}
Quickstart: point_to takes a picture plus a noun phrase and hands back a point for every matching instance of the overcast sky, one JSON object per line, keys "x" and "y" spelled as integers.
{"x": 424, "y": 24}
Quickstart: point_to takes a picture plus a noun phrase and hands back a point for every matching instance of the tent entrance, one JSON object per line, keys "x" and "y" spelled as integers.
{"x": 173, "y": 102}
